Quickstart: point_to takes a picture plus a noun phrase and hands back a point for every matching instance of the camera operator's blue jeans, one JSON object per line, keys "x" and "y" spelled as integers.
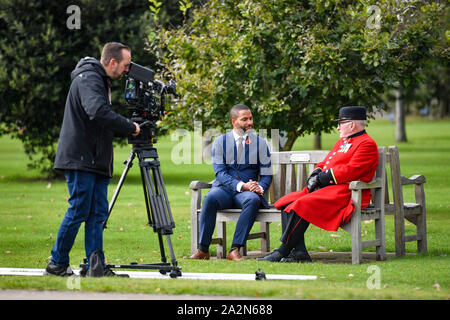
{"x": 89, "y": 204}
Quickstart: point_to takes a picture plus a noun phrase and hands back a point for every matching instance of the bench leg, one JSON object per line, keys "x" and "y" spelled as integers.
{"x": 380, "y": 234}
{"x": 356, "y": 237}
{"x": 421, "y": 233}
{"x": 194, "y": 231}
{"x": 265, "y": 241}
{"x": 399, "y": 222}
{"x": 222, "y": 245}
{"x": 243, "y": 250}
{"x": 421, "y": 219}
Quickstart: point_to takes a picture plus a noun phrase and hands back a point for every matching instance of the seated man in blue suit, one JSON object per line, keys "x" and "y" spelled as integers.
{"x": 239, "y": 158}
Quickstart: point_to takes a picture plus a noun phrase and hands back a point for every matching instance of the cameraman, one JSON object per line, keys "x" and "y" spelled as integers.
{"x": 85, "y": 152}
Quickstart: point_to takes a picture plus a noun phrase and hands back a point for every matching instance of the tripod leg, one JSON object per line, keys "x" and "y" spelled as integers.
{"x": 158, "y": 208}
{"x": 129, "y": 164}
{"x": 144, "y": 179}
{"x": 149, "y": 192}
{"x": 172, "y": 253}
{"x": 162, "y": 208}
{"x": 154, "y": 201}
{"x": 161, "y": 247}
{"x": 168, "y": 220}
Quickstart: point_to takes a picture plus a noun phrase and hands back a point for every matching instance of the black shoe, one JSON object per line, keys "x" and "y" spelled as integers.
{"x": 297, "y": 256}
{"x": 110, "y": 273}
{"x": 83, "y": 271}
{"x": 58, "y": 270}
{"x": 274, "y": 256}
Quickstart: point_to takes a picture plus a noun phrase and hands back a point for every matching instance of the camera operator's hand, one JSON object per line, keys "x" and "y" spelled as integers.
{"x": 138, "y": 130}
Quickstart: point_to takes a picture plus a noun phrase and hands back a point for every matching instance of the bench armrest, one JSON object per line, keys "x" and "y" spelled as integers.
{"x": 195, "y": 185}
{"x": 415, "y": 179}
{"x": 360, "y": 185}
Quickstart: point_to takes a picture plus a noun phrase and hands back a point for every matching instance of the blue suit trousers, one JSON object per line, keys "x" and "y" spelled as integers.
{"x": 219, "y": 198}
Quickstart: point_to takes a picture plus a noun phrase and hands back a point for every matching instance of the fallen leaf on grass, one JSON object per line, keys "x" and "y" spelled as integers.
{"x": 335, "y": 235}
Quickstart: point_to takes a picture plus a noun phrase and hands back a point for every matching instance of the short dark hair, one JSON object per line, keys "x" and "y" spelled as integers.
{"x": 234, "y": 112}
{"x": 113, "y": 50}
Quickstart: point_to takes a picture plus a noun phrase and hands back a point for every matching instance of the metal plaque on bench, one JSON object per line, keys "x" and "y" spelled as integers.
{"x": 299, "y": 157}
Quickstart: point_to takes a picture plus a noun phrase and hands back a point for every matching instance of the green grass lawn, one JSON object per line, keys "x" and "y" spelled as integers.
{"x": 32, "y": 208}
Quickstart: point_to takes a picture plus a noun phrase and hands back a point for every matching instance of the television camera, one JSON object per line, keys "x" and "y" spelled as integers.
{"x": 147, "y": 98}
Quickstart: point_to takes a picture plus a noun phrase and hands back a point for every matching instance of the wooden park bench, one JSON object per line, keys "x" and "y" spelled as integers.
{"x": 414, "y": 212}
{"x": 290, "y": 174}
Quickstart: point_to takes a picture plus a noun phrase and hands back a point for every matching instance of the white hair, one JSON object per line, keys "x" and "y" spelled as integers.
{"x": 361, "y": 123}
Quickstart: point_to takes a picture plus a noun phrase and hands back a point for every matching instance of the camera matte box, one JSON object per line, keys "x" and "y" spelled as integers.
{"x": 141, "y": 73}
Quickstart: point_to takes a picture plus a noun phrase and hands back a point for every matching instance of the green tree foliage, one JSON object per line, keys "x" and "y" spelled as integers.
{"x": 294, "y": 62}
{"x": 38, "y": 51}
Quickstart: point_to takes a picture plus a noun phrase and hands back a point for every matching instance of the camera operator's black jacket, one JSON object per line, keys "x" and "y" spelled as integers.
{"x": 89, "y": 124}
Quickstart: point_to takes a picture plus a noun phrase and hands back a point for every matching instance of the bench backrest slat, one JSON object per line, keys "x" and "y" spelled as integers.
{"x": 291, "y": 170}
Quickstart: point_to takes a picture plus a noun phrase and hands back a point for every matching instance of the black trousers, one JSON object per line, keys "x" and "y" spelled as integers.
{"x": 293, "y": 230}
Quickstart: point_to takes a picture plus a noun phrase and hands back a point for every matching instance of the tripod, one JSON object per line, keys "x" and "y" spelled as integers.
{"x": 157, "y": 204}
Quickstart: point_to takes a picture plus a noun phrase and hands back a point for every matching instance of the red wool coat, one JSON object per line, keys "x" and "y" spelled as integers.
{"x": 353, "y": 158}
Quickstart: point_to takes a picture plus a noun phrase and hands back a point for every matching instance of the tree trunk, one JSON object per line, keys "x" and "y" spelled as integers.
{"x": 400, "y": 110}
{"x": 291, "y": 137}
{"x": 317, "y": 141}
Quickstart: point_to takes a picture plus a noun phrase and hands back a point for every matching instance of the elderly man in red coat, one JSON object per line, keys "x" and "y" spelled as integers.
{"x": 326, "y": 200}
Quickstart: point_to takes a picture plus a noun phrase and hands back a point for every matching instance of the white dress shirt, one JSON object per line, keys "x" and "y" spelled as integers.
{"x": 236, "y": 138}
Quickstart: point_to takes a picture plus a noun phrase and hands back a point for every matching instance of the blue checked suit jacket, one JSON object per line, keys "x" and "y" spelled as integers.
{"x": 229, "y": 171}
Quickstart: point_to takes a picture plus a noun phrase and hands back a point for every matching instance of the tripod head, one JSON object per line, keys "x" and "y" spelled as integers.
{"x": 147, "y": 136}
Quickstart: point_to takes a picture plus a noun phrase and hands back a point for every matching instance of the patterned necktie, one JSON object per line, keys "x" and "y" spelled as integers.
{"x": 240, "y": 150}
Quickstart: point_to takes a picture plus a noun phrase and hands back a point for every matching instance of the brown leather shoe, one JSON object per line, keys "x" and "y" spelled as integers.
{"x": 234, "y": 255}
{"x": 200, "y": 255}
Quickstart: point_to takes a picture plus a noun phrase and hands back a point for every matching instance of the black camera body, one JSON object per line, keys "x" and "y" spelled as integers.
{"x": 146, "y": 96}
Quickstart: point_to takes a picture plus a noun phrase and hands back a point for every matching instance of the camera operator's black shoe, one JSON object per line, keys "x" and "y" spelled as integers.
{"x": 297, "y": 256}
{"x": 58, "y": 270}
{"x": 110, "y": 273}
{"x": 83, "y": 271}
